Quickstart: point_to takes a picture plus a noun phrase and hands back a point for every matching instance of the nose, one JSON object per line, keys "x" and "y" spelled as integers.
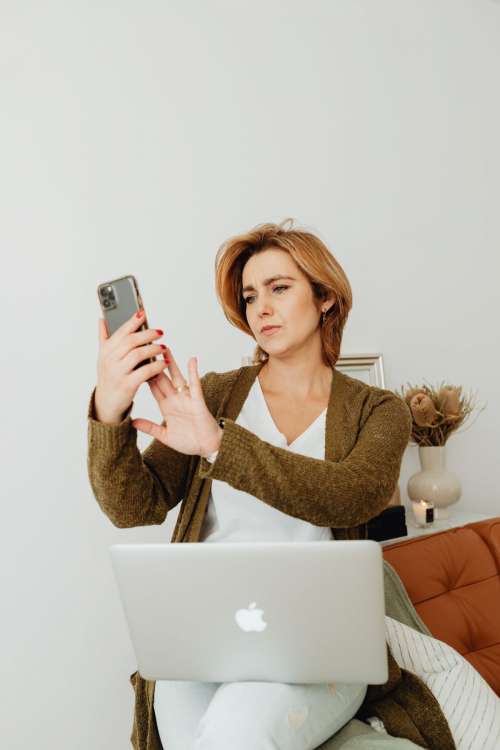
{"x": 264, "y": 316}
{"x": 264, "y": 309}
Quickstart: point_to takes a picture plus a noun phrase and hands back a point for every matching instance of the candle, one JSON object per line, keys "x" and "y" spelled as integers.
{"x": 423, "y": 512}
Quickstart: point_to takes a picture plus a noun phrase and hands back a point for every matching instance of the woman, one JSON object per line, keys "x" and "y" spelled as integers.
{"x": 285, "y": 449}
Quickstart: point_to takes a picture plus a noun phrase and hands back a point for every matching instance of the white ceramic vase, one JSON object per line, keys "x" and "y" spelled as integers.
{"x": 434, "y": 482}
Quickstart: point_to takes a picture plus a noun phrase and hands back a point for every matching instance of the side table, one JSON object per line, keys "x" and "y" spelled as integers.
{"x": 456, "y": 519}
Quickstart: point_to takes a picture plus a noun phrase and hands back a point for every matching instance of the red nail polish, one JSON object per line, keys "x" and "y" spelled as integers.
{"x": 139, "y": 313}
{"x": 159, "y": 331}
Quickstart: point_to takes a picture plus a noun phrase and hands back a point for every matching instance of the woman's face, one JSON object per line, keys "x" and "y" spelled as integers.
{"x": 284, "y": 302}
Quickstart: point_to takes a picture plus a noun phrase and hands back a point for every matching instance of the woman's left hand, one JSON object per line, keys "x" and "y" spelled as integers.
{"x": 190, "y": 427}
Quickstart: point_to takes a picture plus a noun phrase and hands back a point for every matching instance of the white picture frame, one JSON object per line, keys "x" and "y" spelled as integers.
{"x": 368, "y": 368}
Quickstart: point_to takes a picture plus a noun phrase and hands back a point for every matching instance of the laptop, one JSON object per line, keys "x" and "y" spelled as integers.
{"x": 295, "y": 612}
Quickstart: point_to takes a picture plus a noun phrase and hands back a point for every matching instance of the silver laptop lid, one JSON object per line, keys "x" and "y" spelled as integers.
{"x": 292, "y": 612}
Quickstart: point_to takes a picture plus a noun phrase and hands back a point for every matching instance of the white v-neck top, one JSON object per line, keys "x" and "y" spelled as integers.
{"x": 236, "y": 516}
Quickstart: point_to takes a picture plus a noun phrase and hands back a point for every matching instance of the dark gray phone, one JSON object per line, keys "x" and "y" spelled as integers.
{"x": 119, "y": 300}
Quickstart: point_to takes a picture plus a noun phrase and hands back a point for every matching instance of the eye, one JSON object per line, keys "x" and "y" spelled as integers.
{"x": 250, "y": 296}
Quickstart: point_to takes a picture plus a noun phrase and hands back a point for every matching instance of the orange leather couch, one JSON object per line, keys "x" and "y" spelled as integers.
{"x": 453, "y": 579}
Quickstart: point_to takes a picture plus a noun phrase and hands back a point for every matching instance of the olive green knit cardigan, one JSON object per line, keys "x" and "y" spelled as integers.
{"x": 367, "y": 431}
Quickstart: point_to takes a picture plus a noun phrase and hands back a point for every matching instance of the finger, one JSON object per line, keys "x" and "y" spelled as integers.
{"x": 103, "y": 330}
{"x": 146, "y": 373}
{"x": 174, "y": 370}
{"x": 163, "y": 382}
{"x": 194, "y": 380}
{"x": 150, "y": 428}
{"x": 156, "y": 389}
{"x": 130, "y": 325}
{"x": 157, "y": 394}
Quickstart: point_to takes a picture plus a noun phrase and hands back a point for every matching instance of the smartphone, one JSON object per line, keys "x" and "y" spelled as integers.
{"x": 119, "y": 300}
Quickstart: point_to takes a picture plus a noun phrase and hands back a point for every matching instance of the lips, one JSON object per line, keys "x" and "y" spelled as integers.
{"x": 270, "y": 329}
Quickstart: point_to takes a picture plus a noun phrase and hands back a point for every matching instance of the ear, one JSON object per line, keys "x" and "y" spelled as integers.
{"x": 331, "y": 301}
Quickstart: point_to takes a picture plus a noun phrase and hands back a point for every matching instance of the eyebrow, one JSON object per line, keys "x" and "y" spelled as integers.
{"x": 266, "y": 282}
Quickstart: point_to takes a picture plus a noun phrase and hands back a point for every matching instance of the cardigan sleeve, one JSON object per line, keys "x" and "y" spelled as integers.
{"x": 323, "y": 492}
{"x": 134, "y": 488}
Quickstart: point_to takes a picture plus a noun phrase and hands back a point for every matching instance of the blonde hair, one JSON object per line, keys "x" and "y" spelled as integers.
{"x": 314, "y": 259}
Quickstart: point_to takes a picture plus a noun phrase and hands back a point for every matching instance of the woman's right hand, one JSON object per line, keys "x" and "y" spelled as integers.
{"x": 117, "y": 381}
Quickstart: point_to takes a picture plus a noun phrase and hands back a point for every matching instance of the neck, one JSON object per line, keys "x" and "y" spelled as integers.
{"x": 302, "y": 381}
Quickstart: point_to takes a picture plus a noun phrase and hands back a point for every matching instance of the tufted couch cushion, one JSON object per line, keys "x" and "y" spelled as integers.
{"x": 453, "y": 580}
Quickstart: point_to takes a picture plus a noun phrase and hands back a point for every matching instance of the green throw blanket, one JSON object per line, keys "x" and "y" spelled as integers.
{"x": 356, "y": 734}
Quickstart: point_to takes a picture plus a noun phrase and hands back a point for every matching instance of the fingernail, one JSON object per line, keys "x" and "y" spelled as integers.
{"x": 159, "y": 331}
{"x": 139, "y": 313}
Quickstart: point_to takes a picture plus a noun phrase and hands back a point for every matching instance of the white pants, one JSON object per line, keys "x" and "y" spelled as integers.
{"x": 252, "y": 715}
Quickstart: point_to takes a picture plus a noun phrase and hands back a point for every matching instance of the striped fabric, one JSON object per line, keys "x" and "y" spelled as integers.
{"x": 471, "y": 707}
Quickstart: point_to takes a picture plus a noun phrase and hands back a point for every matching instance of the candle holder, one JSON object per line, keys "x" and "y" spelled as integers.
{"x": 423, "y": 513}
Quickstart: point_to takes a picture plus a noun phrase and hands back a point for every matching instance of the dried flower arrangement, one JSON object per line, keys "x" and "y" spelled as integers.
{"x": 437, "y": 411}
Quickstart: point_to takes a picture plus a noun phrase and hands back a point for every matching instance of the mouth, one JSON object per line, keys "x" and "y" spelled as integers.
{"x": 268, "y": 330}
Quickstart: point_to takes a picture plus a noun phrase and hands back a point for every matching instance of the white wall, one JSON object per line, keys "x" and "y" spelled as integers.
{"x": 135, "y": 139}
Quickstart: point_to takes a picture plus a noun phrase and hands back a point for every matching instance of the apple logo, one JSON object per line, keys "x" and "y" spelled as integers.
{"x": 250, "y": 619}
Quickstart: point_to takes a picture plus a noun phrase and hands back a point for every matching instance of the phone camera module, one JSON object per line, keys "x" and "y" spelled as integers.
{"x": 108, "y": 297}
